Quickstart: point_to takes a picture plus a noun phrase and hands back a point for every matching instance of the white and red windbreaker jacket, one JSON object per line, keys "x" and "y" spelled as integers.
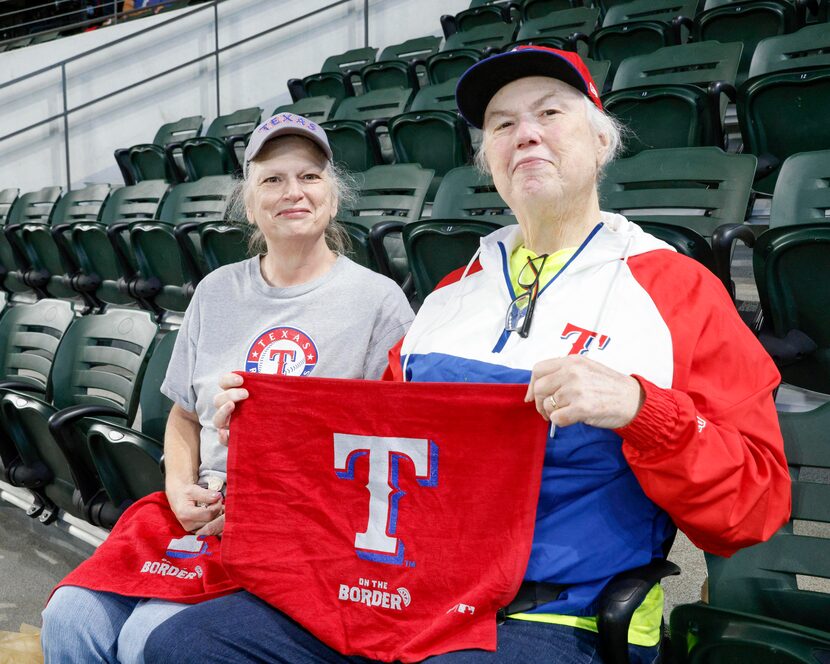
{"x": 705, "y": 451}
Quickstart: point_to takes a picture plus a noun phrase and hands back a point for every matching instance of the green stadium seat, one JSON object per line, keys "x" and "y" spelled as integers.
{"x": 224, "y": 242}
{"x": 475, "y": 17}
{"x": 128, "y": 461}
{"x": 102, "y": 248}
{"x": 350, "y": 134}
{"x": 676, "y": 96}
{"x": 97, "y": 368}
{"x": 758, "y": 612}
{"x": 640, "y": 27}
{"x": 337, "y": 77}
{"x": 466, "y": 193}
{"x": 35, "y": 207}
{"x": 791, "y": 264}
{"x": 747, "y": 22}
{"x": 50, "y": 256}
{"x": 782, "y": 105}
{"x": 318, "y": 109}
{"x": 161, "y": 159}
{"x": 167, "y": 254}
{"x": 534, "y": 9}
{"x": 436, "y": 248}
{"x": 29, "y": 337}
{"x": 555, "y": 29}
{"x": 400, "y": 65}
{"x": 389, "y": 197}
{"x": 432, "y": 133}
{"x": 464, "y": 49}
{"x": 219, "y": 150}
{"x": 702, "y": 189}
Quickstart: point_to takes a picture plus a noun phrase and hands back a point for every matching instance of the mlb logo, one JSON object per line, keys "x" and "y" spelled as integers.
{"x": 188, "y": 546}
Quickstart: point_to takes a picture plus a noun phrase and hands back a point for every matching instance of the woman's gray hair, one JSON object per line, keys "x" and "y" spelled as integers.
{"x": 345, "y": 191}
{"x": 600, "y": 121}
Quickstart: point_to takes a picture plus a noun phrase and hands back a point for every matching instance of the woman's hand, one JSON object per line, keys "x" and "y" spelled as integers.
{"x": 200, "y": 511}
{"x": 583, "y": 390}
{"x": 225, "y": 402}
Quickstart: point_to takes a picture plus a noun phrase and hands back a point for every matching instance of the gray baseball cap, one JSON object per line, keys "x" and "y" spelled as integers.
{"x": 284, "y": 124}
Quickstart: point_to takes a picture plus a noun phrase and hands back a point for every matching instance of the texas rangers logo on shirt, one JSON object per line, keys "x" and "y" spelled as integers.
{"x": 282, "y": 350}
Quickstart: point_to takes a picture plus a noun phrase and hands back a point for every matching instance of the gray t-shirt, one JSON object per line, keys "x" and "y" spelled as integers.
{"x": 340, "y": 325}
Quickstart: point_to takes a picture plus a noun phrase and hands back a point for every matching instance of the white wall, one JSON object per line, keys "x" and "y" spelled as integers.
{"x": 252, "y": 74}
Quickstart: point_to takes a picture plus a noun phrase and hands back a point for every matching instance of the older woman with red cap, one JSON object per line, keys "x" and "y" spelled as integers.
{"x": 659, "y": 398}
{"x": 292, "y": 309}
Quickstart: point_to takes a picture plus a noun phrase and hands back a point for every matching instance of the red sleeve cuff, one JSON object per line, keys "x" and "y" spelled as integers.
{"x": 655, "y": 426}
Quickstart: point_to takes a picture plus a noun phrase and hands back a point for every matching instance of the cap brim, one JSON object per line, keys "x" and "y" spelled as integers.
{"x": 482, "y": 81}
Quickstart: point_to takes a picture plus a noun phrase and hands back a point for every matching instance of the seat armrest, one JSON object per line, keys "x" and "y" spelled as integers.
{"x": 723, "y": 238}
{"x": 174, "y": 173}
{"x": 448, "y": 25}
{"x": 377, "y": 235}
{"x": 296, "y": 89}
{"x": 20, "y": 386}
{"x": 20, "y": 257}
{"x": 114, "y": 235}
{"x": 572, "y": 42}
{"x": 63, "y": 418}
{"x": 618, "y": 601}
{"x": 677, "y": 23}
{"x": 181, "y": 233}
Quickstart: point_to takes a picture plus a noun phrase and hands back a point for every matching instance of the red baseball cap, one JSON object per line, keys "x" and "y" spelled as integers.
{"x": 483, "y": 80}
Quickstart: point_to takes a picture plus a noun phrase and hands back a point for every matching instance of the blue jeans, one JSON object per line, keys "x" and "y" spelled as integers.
{"x": 81, "y": 626}
{"x": 242, "y": 628}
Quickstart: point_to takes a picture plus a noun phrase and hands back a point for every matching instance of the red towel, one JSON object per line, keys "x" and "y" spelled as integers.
{"x": 392, "y": 520}
{"x": 149, "y": 554}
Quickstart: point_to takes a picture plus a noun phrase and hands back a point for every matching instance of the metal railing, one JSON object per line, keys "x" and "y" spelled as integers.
{"x": 213, "y": 5}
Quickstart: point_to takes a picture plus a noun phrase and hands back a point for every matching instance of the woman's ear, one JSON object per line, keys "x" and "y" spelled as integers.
{"x": 603, "y": 145}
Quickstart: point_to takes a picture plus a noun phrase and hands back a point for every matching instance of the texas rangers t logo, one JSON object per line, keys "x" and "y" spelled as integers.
{"x": 282, "y": 350}
{"x": 584, "y": 339}
{"x": 377, "y": 542}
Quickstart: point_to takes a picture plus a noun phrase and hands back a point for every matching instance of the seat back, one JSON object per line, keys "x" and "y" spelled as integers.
{"x": 224, "y": 242}
{"x": 349, "y": 60}
{"x": 419, "y": 48}
{"x": 449, "y": 65}
{"x": 533, "y": 9}
{"x": 318, "y": 109}
{"x": 388, "y": 193}
{"x": 558, "y": 25}
{"x": 101, "y": 361}
{"x": 34, "y": 207}
{"x": 791, "y": 264}
{"x": 378, "y": 104}
{"x": 745, "y": 22}
{"x": 762, "y": 579}
{"x": 474, "y": 17}
{"x": 238, "y": 123}
{"x": 7, "y": 199}
{"x": 480, "y": 37}
{"x": 698, "y": 188}
{"x": 465, "y": 193}
{"x": 805, "y": 49}
{"x": 437, "y": 97}
{"x": 688, "y": 64}
{"x": 29, "y": 337}
{"x": 802, "y": 195}
{"x": 663, "y": 11}
{"x": 181, "y": 130}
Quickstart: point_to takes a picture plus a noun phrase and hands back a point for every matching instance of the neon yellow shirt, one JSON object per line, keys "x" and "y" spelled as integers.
{"x": 645, "y": 623}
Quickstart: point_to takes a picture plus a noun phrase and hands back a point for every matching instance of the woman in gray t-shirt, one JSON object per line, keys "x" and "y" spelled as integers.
{"x": 299, "y": 308}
